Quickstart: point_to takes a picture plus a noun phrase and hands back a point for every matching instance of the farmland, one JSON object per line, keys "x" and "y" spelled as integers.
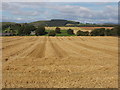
{"x": 77, "y": 28}
{"x": 89, "y": 29}
{"x": 60, "y": 62}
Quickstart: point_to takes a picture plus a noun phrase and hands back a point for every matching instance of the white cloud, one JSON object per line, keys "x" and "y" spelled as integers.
{"x": 9, "y": 6}
{"x": 61, "y": 1}
{"x": 50, "y": 10}
{"x": 108, "y": 14}
{"x": 16, "y": 9}
{"x": 23, "y": 13}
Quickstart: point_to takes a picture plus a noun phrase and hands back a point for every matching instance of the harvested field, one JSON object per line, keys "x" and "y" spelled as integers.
{"x": 91, "y": 28}
{"x": 77, "y": 28}
{"x": 60, "y": 62}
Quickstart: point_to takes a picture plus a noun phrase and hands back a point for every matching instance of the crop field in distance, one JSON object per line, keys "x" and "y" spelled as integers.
{"x": 60, "y": 62}
{"x": 77, "y": 28}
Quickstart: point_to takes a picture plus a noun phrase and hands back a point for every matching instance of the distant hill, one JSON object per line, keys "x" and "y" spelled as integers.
{"x": 3, "y": 23}
{"x": 54, "y": 22}
{"x": 62, "y": 22}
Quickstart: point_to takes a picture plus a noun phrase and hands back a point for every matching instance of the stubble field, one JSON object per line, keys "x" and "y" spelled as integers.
{"x": 77, "y": 28}
{"x": 60, "y": 62}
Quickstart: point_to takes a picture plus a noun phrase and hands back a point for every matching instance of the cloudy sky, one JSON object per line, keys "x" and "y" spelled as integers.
{"x": 99, "y": 12}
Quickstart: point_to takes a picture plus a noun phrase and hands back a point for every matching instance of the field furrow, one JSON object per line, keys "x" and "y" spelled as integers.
{"x": 57, "y": 49}
{"x": 60, "y": 62}
{"x": 39, "y": 49}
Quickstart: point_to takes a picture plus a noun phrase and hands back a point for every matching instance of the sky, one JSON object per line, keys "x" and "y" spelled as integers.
{"x": 84, "y": 12}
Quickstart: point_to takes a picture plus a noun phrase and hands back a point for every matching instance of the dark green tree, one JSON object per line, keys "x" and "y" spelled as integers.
{"x": 70, "y": 31}
{"x": 98, "y": 32}
{"x": 15, "y": 26}
{"x": 108, "y": 32}
{"x": 51, "y": 33}
{"x": 115, "y": 31}
{"x": 20, "y": 31}
{"x": 4, "y": 26}
{"x": 28, "y": 28}
{"x": 40, "y": 31}
{"x": 57, "y": 30}
{"x": 82, "y": 33}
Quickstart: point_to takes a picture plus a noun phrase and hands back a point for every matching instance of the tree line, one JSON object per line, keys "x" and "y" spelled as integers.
{"x": 101, "y": 32}
{"x": 26, "y": 29}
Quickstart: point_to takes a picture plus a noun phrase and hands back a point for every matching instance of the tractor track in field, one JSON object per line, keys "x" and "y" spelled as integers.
{"x": 39, "y": 50}
{"x": 95, "y": 48}
{"x": 60, "y": 62}
{"x": 5, "y": 46}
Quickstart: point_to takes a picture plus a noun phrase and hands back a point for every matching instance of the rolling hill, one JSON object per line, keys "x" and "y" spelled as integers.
{"x": 54, "y": 22}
